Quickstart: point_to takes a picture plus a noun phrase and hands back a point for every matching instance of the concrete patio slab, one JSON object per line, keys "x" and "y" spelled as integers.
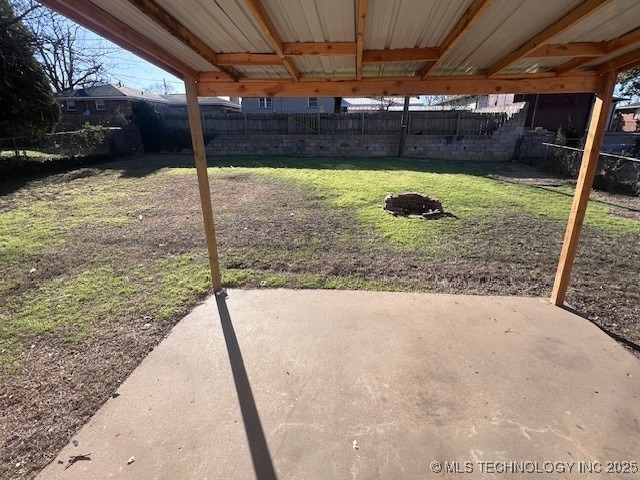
{"x": 310, "y": 384}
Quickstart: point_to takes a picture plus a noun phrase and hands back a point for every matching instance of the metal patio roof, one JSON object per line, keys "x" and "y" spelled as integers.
{"x": 373, "y": 47}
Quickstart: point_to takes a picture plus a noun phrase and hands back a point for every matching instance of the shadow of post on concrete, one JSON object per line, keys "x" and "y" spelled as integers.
{"x": 258, "y": 447}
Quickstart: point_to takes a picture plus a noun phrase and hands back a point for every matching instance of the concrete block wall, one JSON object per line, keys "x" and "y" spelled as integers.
{"x": 500, "y": 145}
{"x": 305, "y": 145}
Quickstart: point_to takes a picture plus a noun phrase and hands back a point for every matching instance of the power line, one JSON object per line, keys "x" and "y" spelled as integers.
{"x": 159, "y": 80}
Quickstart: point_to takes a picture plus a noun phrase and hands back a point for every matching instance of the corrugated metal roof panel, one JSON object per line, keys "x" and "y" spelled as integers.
{"x": 610, "y": 22}
{"x": 535, "y": 65}
{"x": 326, "y": 66}
{"x": 505, "y": 25}
{"x": 263, "y": 72}
{"x": 130, "y": 15}
{"x": 222, "y": 25}
{"x": 402, "y": 69}
{"x": 410, "y": 23}
{"x": 313, "y": 20}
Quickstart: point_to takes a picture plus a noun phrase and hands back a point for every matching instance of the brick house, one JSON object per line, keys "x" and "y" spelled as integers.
{"x": 626, "y": 118}
{"x": 110, "y": 105}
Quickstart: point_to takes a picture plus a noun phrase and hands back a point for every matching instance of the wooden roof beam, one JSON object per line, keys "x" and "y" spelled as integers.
{"x": 161, "y": 17}
{"x": 103, "y": 23}
{"x": 361, "y": 22}
{"x": 320, "y": 48}
{"x": 568, "y": 67}
{"x": 614, "y": 45}
{"x": 401, "y": 55}
{"x": 368, "y": 56}
{"x": 332, "y": 49}
{"x": 578, "y": 49}
{"x": 249, "y": 59}
{"x": 459, "y": 30}
{"x": 582, "y": 11}
{"x": 270, "y": 32}
{"x": 401, "y": 86}
{"x": 623, "y": 62}
{"x": 624, "y": 41}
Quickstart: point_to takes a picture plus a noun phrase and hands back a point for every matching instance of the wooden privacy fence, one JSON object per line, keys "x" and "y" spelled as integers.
{"x": 418, "y": 123}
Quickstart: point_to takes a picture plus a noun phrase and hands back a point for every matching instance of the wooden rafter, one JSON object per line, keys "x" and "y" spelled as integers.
{"x": 572, "y": 65}
{"x": 331, "y": 49}
{"x": 624, "y": 41}
{"x": 400, "y": 55}
{"x": 320, "y": 48}
{"x": 101, "y": 22}
{"x": 459, "y": 30}
{"x": 578, "y": 49}
{"x": 629, "y": 66}
{"x": 582, "y": 11}
{"x": 619, "y": 43}
{"x": 400, "y": 86}
{"x": 248, "y": 59}
{"x": 182, "y": 33}
{"x": 270, "y": 32}
{"x": 361, "y": 22}
{"x": 623, "y": 62}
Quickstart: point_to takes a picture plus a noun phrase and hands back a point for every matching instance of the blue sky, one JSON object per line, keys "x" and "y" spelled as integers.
{"x": 129, "y": 69}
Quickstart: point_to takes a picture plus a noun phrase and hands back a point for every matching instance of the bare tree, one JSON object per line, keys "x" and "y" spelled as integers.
{"x": 160, "y": 88}
{"x": 448, "y": 102}
{"x": 63, "y": 49}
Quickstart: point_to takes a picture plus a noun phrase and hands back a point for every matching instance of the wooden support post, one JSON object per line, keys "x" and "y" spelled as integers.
{"x": 590, "y": 156}
{"x": 197, "y": 139}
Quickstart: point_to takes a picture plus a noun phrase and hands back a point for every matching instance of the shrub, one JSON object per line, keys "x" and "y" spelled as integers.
{"x": 150, "y": 125}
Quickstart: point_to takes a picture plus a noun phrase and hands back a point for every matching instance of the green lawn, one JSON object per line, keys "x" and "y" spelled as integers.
{"x": 48, "y": 217}
{"x": 100, "y": 263}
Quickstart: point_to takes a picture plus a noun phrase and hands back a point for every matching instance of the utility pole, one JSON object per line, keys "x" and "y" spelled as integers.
{"x": 403, "y": 129}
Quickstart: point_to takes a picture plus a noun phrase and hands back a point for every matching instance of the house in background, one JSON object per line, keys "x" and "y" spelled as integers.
{"x": 291, "y": 105}
{"x": 549, "y": 111}
{"x": 110, "y": 105}
{"x": 626, "y": 118}
{"x": 207, "y": 104}
{"x": 329, "y": 104}
{"x": 380, "y": 104}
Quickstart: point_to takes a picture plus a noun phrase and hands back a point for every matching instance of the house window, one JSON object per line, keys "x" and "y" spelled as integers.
{"x": 313, "y": 102}
{"x": 71, "y": 105}
{"x": 100, "y": 105}
{"x": 265, "y": 102}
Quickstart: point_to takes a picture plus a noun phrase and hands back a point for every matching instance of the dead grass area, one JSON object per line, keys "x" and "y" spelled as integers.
{"x": 99, "y": 264}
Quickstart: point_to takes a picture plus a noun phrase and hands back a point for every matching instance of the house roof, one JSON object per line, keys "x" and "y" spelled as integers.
{"x": 630, "y": 106}
{"x": 113, "y": 92}
{"x": 373, "y": 47}
{"x": 181, "y": 99}
{"x": 109, "y": 92}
